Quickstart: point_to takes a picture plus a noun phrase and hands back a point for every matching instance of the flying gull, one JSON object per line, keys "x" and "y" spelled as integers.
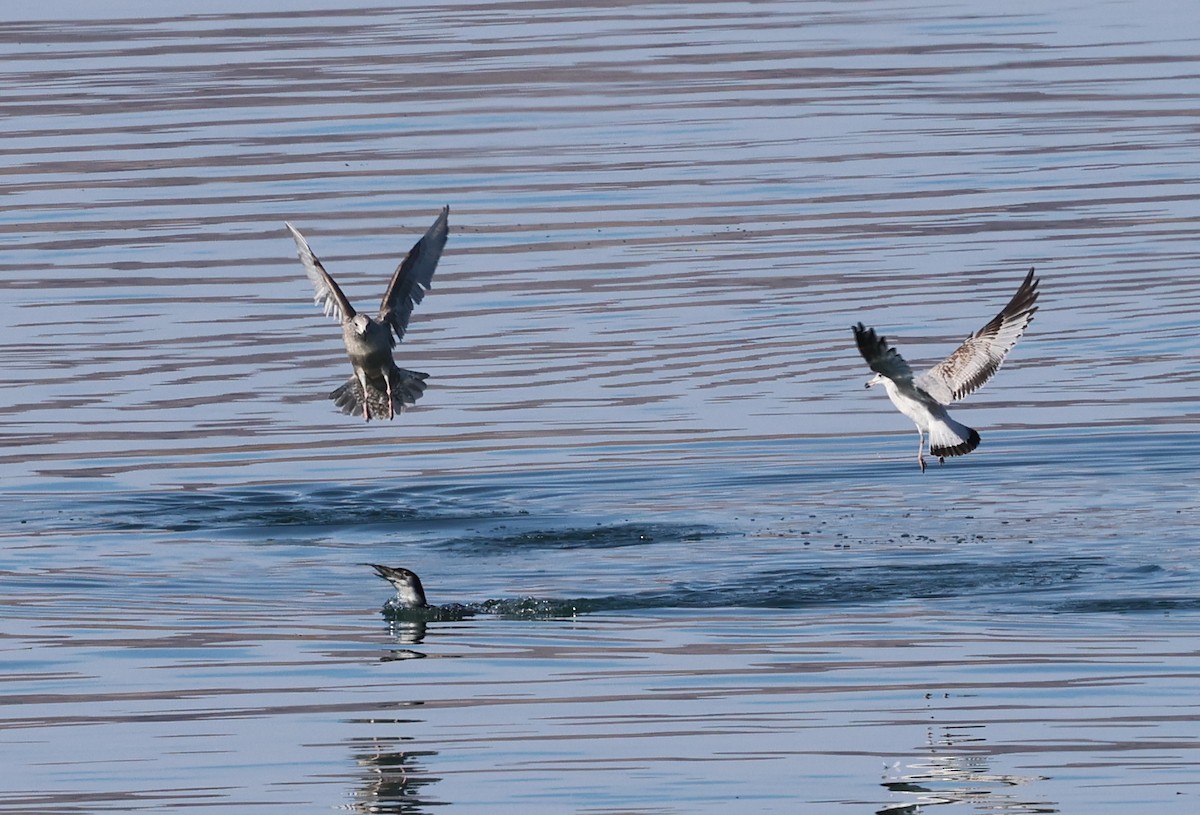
{"x": 378, "y": 387}
{"x": 924, "y": 398}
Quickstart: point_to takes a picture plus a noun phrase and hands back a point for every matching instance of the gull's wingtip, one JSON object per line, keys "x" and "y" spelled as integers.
{"x": 1031, "y": 281}
{"x": 295, "y": 233}
{"x": 865, "y": 336}
{"x": 1027, "y": 293}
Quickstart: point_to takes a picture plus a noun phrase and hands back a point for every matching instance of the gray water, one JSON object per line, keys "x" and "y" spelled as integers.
{"x": 717, "y": 579}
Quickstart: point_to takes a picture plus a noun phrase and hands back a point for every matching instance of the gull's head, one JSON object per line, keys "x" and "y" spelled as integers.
{"x": 360, "y": 323}
{"x": 875, "y": 380}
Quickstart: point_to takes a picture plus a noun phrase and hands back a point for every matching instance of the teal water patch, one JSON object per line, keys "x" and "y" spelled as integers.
{"x": 289, "y": 507}
{"x": 851, "y": 586}
{"x": 599, "y": 536}
{"x": 1131, "y": 605}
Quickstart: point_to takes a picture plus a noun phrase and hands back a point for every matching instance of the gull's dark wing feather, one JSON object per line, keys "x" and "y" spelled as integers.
{"x": 327, "y": 294}
{"x": 982, "y": 353}
{"x": 414, "y": 276}
{"x": 882, "y": 358}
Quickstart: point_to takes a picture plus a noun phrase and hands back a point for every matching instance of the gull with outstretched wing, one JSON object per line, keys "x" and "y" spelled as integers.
{"x": 378, "y": 386}
{"x": 924, "y": 398}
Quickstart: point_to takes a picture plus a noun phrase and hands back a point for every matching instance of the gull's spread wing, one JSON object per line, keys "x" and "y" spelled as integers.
{"x": 982, "y": 353}
{"x": 882, "y": 358}
{"x": 326, "y": 291}
{"x": 414, "y": 276}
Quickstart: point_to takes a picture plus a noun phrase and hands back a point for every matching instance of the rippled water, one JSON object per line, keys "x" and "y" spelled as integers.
{"x": 710, "y": 573}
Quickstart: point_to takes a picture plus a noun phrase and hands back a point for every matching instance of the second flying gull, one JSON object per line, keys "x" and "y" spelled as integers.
{"x": 378, "y": 388}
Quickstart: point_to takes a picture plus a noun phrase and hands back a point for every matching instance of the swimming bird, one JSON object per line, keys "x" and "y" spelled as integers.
{"x": 409, "y": 592}
{"x": 378, "y": 385}
{"x": 924, "y": 398}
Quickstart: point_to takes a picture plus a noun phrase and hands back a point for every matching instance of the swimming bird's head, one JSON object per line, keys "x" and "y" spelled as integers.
{"x": 408, "y": 587}
{"x": 360, "y": 323}
{"x": 875, "y": 380}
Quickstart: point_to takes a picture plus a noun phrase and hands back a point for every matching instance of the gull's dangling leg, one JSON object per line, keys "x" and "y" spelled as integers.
{"x": 921, "y": 448}
{"x": 362, "y": 378}
{"x": 391, "y": 410}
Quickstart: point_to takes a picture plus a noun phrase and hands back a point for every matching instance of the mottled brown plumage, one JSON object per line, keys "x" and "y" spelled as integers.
{"x": 979, "y": 357}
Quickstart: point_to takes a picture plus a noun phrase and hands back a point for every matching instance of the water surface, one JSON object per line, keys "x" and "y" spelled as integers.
{"x": 721, "y": 578}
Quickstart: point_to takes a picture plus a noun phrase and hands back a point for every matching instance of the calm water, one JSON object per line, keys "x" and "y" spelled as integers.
{"x": 723, "y": 581}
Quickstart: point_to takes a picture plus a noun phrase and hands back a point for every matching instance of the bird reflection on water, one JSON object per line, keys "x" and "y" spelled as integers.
{"x": 394, "y": 780}
{"x": 957, "y": 770}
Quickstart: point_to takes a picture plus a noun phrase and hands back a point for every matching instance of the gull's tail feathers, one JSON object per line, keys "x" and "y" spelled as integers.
{"x": 949, "y": 438}
{"x": 407, "y": 387}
